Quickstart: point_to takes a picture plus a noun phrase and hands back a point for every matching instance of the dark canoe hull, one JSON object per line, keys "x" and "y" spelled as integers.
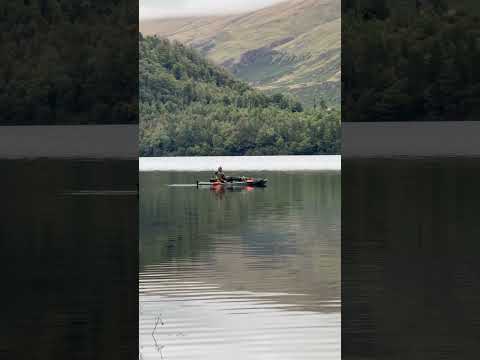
{"x": 249, "y": 182}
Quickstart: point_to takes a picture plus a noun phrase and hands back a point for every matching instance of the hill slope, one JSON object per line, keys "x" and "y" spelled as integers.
{"x": 291, "y": 47}
{"x": 188, "y": 106}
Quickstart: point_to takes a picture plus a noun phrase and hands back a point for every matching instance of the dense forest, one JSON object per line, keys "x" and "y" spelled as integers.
{"x": 426, "y": 61}
{"x": 189, "y": 107}
{"x": 68, "y": 62}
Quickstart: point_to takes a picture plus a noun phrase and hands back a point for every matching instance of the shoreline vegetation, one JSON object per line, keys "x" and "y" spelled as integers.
{"x": 190, "y": 107}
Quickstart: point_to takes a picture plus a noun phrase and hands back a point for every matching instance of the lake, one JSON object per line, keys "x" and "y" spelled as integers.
{"x": 240, "y": 274}
{"x": 68, "y": 249}
{"x": 243, "y": 163}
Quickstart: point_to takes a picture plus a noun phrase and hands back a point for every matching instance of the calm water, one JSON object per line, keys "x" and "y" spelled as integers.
{"x": 68, "y": 251}
{"x": 243, "y": 163}
{"x": 248, "y": 274}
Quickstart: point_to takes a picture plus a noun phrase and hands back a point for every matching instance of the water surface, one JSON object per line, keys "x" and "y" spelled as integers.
{"x": 243, "y": 163}
{"x": 245, "y": 274}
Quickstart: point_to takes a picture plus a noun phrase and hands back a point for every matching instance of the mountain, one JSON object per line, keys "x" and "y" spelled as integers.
{"x": 291, "y": 47}
{"x": 189, "y": 106}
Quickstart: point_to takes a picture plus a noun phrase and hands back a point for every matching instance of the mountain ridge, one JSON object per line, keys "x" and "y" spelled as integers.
{"x": 291, "y": 47}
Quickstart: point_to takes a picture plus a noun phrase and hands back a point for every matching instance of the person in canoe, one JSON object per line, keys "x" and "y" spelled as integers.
{"x": 220, "y": 176}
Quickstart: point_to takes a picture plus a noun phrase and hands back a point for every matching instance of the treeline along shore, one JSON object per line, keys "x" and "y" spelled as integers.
{"x": 189, "y": 107}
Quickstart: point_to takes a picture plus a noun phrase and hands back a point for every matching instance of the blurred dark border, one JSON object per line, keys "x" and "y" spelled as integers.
{"x": 69, "y": 183}
{"x": 69, "y": 62}
{"x": 410, "y": 60}
{"x": 410, "y": 174}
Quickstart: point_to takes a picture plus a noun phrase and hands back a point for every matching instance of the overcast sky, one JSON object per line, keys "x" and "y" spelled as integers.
{"x": 179, "y": 8}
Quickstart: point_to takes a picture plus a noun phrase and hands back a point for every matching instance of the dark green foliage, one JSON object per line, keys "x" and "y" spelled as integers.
{"x": 425, "y": 62}
{"x": 190, "y": 107}
{"x": 68, "y": 62}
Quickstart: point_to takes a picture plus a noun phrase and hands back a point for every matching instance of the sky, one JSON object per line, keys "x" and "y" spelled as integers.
{"x": 180, "y": 8}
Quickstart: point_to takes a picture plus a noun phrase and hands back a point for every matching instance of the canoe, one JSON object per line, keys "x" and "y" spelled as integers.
{"x": 235, "y": 183}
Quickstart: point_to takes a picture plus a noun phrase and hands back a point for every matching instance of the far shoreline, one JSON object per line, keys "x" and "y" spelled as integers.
{"x": 287, "y": 163}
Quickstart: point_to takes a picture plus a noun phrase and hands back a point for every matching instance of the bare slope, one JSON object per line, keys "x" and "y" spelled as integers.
{"x": 293, "y": 46}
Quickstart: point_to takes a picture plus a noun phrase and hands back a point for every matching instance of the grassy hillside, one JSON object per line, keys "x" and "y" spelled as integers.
{"x": 291, "y": 47}
{"x": 188, "y": 106}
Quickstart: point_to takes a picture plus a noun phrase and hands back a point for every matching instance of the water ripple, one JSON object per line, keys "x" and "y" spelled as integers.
{"x": 201, "y": 320}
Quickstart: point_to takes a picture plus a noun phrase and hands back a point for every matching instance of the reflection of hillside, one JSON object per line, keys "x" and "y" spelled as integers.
{"x": 283, "y": 237}
{"x": 190, "y": 217}
{"x": 315, "y": 276}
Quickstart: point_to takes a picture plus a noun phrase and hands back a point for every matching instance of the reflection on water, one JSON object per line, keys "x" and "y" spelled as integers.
{"x": 68, "y": 251}
{"x": 244, "y": 274}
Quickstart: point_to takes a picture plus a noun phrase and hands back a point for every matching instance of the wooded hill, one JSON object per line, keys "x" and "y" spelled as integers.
{"x": 188, "y": 106}
{"x": 290, "y": 47}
